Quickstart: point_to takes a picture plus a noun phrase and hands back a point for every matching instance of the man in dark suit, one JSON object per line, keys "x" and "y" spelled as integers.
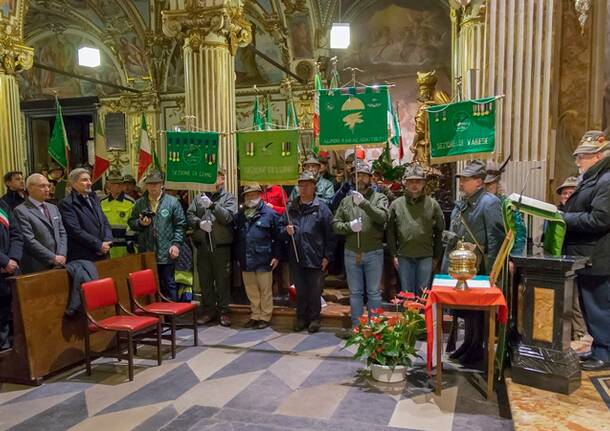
{"x": 89, "y": 233}
{"x": 44, "y": 235}
{"x": 15, "y": 190}
{"x": 10, "y": 254}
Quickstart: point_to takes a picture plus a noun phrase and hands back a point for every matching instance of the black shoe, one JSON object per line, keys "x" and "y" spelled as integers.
{"x": 262, "y": 324}
{"x": 300, "y": 325}
{"x": 225, "y": 320}
{"x": 594, "y": 364}
{"x": 206, "y": 319}
{"x": 585, "y": 356}
{"x": 472, "y": 356}
{"x": 314, "y": 327}
{"x": 461, "y": 351}
{"x": 251, "y": 323}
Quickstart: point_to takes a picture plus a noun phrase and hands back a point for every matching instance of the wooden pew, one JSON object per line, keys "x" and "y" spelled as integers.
{"x": 45, "y": 341}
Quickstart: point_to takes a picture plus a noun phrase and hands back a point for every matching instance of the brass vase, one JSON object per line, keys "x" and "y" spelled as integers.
{"x": 462, "y": 265}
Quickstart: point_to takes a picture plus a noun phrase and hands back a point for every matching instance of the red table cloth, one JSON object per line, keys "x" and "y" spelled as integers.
{"x": 473, "y": 296}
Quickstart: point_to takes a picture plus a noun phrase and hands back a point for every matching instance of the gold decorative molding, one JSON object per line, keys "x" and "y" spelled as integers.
{"x": 292, "y": 6}
{"x": 199, "y": 25}
{"x": 14, "y": 57}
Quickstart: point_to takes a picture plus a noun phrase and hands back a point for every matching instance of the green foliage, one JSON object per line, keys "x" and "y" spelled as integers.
{"x": 384, "y": 165}
{"x": 388, "y": 340}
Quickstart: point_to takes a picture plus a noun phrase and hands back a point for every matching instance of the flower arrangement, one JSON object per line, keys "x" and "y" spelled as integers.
{"x": 390, "y": 340}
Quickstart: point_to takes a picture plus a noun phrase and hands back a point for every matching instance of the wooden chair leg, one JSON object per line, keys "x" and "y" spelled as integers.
{"x": 195, "y": 332}
{"x": 87, "y": 352}
{"x": 130, "y": 355}
{"x": 159, "y": 358}
{"x": 173, "y": 323}
{"x": 118, "y": 346}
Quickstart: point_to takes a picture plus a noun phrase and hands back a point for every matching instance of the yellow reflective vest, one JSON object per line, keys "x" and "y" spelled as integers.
{"x": 118, "y": 211}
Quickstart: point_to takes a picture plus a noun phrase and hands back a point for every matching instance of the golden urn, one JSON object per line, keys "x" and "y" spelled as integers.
{"x": 462, "y": 265}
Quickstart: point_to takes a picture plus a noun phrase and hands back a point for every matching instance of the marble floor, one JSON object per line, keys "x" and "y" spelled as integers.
{"x": 242, "y": 379}
{"x": 586, "y": 409}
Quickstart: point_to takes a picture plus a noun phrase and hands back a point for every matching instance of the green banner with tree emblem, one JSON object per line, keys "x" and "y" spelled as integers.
{"x": 192, "y": 160}
{"x": 268, "y": 157}
{"x": 353, "y": 116}
{"x": 462, "y": 130}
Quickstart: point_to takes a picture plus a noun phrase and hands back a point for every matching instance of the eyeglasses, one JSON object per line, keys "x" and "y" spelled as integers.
{"x": 584, "y": 156}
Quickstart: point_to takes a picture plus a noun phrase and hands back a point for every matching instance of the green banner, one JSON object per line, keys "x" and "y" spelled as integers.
{"x": 462, "y": 130}
{"x": 268, "y": 156}
{"x": 353, "y": 116}
{"x": 192, "y": 160}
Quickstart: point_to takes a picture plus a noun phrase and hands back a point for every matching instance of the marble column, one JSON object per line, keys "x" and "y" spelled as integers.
{"x": 212, "y": 32}
{"x": 13, "y": 147}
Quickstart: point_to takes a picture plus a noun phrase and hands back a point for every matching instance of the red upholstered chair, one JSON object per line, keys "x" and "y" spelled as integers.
{"x": 143, "y": 284}
{"x": 102, "y": 293}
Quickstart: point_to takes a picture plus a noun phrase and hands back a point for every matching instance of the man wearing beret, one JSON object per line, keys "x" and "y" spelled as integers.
{"x": 477, "y": 218}
{"x": 308, "y": 222}
{"x": 211, "y": 217}
{"x": 159, "y": 221}
{"x": 415, "y": 232}
{"x": 587, "y": 217}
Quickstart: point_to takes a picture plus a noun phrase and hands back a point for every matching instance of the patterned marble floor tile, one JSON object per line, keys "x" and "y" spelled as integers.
{"x": 250, "y": 337}
{"x": 51, "y": 389}
{"x": 215, "y": 393}
{"x": 167, "y": 387}
{"x": 334, "y": 371}
{"x": 426, "y": 412}
{"x": 212, "y": 335}
{"x": 189, "y": 418}
{"x": 115, "y": 387}
{"x": 314, "y": 402}
{"x": 248, "y": 362}
{"x": 321, "y": 340}
{"x": 158, "y": 420}
{"x": 264, "y": 346}
{"x": 212, "y": 360}
{"x": 13, "y": 414}
{"x": 294, "y": 370}
{"x": 361, "y": 404}
{"x": 9, "y": 391}
{"x": 120, "y": 420}
{"x": 59, "y": 417}
{"x": 287, "y": 342}
{"x": 266, "y": 393}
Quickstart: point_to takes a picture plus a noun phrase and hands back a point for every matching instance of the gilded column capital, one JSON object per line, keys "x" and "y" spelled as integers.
{"x": 14, "y": 56}
{"x": 201, "y": 25}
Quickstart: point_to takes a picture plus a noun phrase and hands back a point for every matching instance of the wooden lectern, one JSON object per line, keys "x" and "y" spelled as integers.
{"x": 542, "y": 356}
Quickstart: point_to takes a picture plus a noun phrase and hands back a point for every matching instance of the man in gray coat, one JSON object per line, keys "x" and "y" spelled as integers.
{"x": 45, "y": 239}
{"x": 211, "y": 217}
{"x": 477, "y": 218}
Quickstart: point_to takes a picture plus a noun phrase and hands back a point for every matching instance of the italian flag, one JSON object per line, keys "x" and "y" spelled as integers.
{"x": 3, "y": 217}
{"x": 101, "y": 164}
{"x": 145, "y": 155}
{"x": 59, "y": 148}
{"x": 316, "y": 110}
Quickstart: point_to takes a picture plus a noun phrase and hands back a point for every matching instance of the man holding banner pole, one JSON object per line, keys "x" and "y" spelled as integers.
{"x": 211, "y": 216}
{"x": 308, "y": 223}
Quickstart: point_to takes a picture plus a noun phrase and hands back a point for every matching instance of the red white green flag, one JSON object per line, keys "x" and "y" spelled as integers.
{"x": 3, "y": 217}
{"x": 101, "y": 164}
{"x": 145, "y": 156}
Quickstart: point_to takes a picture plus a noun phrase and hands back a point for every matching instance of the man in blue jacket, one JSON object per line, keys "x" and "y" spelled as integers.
{"x": 258, "y": 249}
{"x": 89, "y": 233}
{"x": 309, "y": 222}
{"x": 11, "y": 247}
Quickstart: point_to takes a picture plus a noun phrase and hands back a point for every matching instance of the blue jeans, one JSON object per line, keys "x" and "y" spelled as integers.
{"x": 367, "y": 274}
{"x": 414, "y": 273}
{"x": 167, "y": 280}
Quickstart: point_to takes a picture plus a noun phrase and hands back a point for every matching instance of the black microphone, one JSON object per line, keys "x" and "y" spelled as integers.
{"x": 527, "y": 178}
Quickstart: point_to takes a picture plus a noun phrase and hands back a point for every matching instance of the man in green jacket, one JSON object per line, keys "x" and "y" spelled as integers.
{"x": 415, "y": 232}
{"x": 324, "y": 188}
{"x": 211, "y": 216}
{"x": 361, "y": 218}
{"x": 159, "y": 222}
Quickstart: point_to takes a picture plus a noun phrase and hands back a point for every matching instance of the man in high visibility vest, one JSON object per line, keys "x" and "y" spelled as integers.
{"x": 117, "y": 208}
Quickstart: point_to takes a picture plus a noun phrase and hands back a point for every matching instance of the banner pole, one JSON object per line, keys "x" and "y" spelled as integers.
{"x": 356, "y": 185}
{"x": 294, "y": 244}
